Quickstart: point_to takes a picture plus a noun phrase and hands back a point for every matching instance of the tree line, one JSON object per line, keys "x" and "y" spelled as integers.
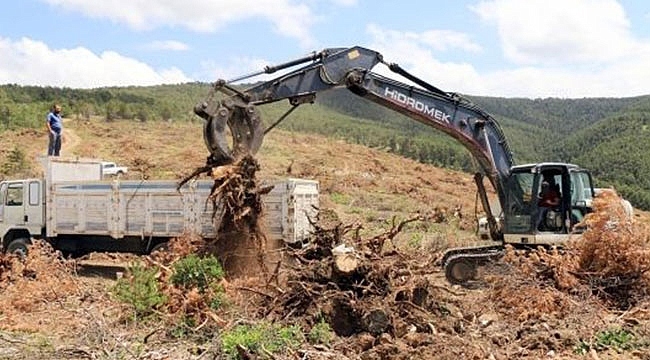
{"x": 607, "y": 136}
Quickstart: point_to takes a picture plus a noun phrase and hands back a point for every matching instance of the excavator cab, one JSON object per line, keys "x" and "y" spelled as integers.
{"x": 544, "y": 203}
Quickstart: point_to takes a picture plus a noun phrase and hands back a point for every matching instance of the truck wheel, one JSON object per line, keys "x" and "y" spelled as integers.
{"x": 18, "y": 247}
{"x": 459, "y": 270}
{"x": 163, "y": 246}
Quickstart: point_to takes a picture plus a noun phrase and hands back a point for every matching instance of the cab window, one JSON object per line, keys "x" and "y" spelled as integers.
{"x": 14, "y": 195}
{"x": 34, "y": 193}
{"x": 519, "y": 199}
{"x": 581, "y": 189}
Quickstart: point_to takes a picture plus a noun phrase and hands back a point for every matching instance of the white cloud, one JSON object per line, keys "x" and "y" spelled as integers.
{"x": 288, "y": 18}
{"x": 560, "y": 31}
{"x": 170, "y": 45}
{"x": 439, "y": 40}
{"x": 549, "y": 57}
{"x": 236, "y": 67}
{"x": 345, "y": 2}
{"x": 30, "y": 62}
{"x": 416, "y": 53}
{"x": 620, "y": 79}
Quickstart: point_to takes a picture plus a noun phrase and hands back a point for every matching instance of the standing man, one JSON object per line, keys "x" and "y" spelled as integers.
{"x": 55, "y": 127}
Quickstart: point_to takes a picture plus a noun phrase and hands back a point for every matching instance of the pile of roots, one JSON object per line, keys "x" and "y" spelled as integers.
{"x": 236, "y": 198}
{"x": 240, "y": 245}
{"x": 608, "y": 263}
{"x": 359, "y": 286}
{"x": 30, "y": 284}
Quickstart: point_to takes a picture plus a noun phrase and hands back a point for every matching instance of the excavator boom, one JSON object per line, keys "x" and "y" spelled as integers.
{"x": 352, "y": 68}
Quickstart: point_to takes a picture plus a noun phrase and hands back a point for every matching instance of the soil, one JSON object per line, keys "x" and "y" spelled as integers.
{"x": 383, "y": 293}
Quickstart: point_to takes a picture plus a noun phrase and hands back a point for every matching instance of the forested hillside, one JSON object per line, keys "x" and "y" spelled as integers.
{"x": 605, "y": 135}
{"x": 609, "y": 136}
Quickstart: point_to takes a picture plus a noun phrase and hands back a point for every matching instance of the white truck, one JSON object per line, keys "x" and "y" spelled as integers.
{"x": 76, "y": 211}
{"x": 110, "y": 168}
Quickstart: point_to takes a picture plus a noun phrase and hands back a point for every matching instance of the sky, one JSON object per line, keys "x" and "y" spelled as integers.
{"x": 504, "y": 48}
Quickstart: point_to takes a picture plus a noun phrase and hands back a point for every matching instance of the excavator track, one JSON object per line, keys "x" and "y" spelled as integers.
{"x": 470, "y": 250}
{"x": 461, "y": 265}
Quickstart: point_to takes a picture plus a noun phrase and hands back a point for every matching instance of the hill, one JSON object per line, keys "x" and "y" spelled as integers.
{"x": 605, "y": 135}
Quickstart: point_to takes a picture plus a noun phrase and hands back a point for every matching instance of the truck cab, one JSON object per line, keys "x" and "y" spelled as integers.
{"x": 21, "y": 213}
{"x": 528, "y": 220}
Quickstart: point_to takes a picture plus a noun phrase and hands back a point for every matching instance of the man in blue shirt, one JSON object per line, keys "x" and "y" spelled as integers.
{"x": 55, "y": 127}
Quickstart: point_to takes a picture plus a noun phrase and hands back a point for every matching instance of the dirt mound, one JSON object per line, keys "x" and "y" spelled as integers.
{"x": 584, "y": 295}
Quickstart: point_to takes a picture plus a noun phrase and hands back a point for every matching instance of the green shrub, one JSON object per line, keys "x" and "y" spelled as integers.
{"x": 321, "y": 333}
{"x": 219, "y": 298}
{"x": 261, "y": 338}
{"x": 194, "y": 271}
{"x": 140, "y": 290}
{"x": 618, "y": 339}
{"x": 16, "y": 162}
{"x": 614, "y": 338}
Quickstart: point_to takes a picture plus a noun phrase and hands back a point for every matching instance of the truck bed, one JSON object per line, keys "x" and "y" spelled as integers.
{"x": 134, "y": 208}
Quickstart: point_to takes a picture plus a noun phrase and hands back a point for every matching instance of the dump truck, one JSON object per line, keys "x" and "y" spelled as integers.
{"x": 73, "y": 208}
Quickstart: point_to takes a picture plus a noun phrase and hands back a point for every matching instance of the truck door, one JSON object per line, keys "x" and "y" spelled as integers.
{"x": 34, "y": 206}
{"x": 14, "y": 212}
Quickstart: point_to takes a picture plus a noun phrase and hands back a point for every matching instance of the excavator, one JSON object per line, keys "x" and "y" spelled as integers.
{"x": 233, "y": 128}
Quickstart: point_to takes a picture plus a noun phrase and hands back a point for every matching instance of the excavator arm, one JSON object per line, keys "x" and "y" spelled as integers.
{"x": 351, "y": 68}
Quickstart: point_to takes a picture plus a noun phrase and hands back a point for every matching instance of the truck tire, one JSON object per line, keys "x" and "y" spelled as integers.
{"x": 19, "y": 247}
{"x": 163, "y": 246}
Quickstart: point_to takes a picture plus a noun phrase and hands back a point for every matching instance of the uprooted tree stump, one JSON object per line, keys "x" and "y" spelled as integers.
{"x": 236, "y": 197}
{"x": 355, "y": 285}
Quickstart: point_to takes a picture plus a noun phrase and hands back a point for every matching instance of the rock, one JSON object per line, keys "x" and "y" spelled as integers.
{"x": 551, "y": 353}
{"x": 376, "y": 322}
{"x": 487, "y": 319}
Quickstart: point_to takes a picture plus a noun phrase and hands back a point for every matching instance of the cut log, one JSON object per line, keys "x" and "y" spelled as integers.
{"x": 345, "y": 264}
{"x": 345, "y": 260}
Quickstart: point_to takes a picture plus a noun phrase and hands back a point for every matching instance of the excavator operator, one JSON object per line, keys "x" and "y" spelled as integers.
{"x": 549, "y": 197}
{"x": 549, "y": 201}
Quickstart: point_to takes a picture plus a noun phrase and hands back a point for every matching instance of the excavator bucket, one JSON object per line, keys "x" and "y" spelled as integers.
{"x": 232, "y": 130}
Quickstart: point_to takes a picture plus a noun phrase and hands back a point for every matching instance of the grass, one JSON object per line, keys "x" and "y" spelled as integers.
{"x": 616, "y": 339}
{"x": 321, "y": 333}
{"x": 263, "y": 338}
